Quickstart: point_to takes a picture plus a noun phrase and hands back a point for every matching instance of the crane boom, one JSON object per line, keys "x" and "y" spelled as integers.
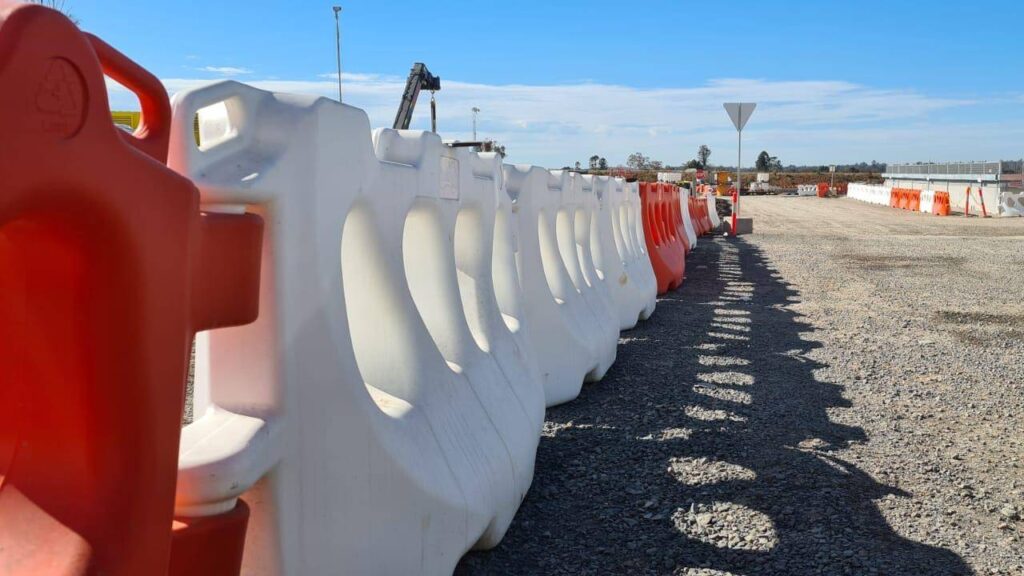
{"x": 419, "y": 79}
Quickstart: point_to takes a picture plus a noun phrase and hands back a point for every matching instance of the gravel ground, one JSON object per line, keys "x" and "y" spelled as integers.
{"x": 841, "y": 392}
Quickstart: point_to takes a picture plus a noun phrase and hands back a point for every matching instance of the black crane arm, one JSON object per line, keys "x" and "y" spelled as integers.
{"x": 419, "y": 79}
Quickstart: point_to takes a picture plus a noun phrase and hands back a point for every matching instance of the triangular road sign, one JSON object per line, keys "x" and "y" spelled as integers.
{"x": 739, "y": 112}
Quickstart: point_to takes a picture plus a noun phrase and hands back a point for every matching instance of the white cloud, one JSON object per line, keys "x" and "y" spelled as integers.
{"x": 226, "y": 70}
{"x": 815, "y": 121}
{"x": 357, "y": 77}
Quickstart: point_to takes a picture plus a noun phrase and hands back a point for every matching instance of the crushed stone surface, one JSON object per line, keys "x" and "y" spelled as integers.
{"x": 841, "y": 392}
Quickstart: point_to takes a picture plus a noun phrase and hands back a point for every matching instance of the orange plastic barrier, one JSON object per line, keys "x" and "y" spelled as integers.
{"x": 699, "y": 215}
{"x": 914, "y": 200}
{"x": 705, "y": 217}
{"x": 695, "y": 216}
{"x": 822, "y": 189}
{"x": 107, "y": 270}
{"x": 905, "y": 198}
{"x": 665, "y": 249}
{"x": 940, "y": 207}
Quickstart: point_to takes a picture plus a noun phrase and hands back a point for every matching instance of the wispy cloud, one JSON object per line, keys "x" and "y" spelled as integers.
{"x": 814, "y": 121}
{"x": 357, "y": 77}
{"x": 226, "y": 70}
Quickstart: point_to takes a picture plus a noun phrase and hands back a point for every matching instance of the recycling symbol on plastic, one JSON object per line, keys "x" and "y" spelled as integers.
{"x": 60, "y": 98}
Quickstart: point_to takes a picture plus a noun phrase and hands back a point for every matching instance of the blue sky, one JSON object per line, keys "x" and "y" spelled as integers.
{"x": 559, "y": 81}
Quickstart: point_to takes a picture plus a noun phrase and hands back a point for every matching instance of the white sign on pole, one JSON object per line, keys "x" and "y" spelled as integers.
{"x": 740, "y": 112}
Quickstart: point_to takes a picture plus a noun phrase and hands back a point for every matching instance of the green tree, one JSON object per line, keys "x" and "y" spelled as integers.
{"x": 637, "y": 161}
{"x": 766, "y": 163}
{"x": 593, "y": 161}
{"x": 763, "y": 162}
{"x": 602, "y": 164}
{"x": 703, "y": 153}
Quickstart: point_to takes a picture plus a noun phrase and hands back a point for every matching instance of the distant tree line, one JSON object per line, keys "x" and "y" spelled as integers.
{"x": 638, "y": 161}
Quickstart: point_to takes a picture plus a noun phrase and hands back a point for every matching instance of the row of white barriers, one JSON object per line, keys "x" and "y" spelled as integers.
{"x": 871, "y": 194}
{"x": 420, "y": 306}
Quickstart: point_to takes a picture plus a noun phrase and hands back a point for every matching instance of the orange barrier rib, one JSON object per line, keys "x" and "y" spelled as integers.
{"x": 664, "y": 248}
{"x": 107, "y": 270}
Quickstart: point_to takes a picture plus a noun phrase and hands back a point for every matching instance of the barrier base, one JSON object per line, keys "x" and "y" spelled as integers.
{"x": 744, "y": 226}
{"x": 210, "y": 546}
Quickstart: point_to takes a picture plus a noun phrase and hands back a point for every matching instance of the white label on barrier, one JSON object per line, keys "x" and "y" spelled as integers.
{"x": 449, "y": 178}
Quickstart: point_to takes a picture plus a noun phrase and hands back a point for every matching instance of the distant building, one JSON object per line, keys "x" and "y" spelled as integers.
{"x": 999, "y": 182}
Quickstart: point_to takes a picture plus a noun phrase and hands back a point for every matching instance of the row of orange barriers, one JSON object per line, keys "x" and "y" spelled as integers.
{"x": 665, "y": 231}
{"x": 698, "y": 209}
{"x": 928, "y": 201}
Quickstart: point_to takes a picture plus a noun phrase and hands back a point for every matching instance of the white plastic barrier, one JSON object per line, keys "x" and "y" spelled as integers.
{"x": 713, "y": 210}
{"x": 557, "y": 320}
{"x": 807, "y": 190}
{"x": 638, "y": 262}
{"x": 635, "y": 225}
{"x": 1011, "y": 204}
{"x": 377, "y": 417}
{"x": 927, "y": 201}
{"x": 688, "y": 227}
{"x": 869, "y": 193}
{"x": 612, "y": 259}
{"x": 574, "y": 224}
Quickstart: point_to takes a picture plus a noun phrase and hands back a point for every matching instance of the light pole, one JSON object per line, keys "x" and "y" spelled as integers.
{"x": 475, "y": 112}
{"x": 337, "y": 41}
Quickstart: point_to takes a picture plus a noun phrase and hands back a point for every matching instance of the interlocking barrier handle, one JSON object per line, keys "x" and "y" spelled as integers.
{"x": 154, "y": 128}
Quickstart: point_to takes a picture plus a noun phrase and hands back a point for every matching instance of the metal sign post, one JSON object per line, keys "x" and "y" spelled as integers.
{"x": 739, "y": 113}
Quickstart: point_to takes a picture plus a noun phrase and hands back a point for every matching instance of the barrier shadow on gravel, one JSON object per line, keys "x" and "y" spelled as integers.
{"x": 708, "y": 449}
